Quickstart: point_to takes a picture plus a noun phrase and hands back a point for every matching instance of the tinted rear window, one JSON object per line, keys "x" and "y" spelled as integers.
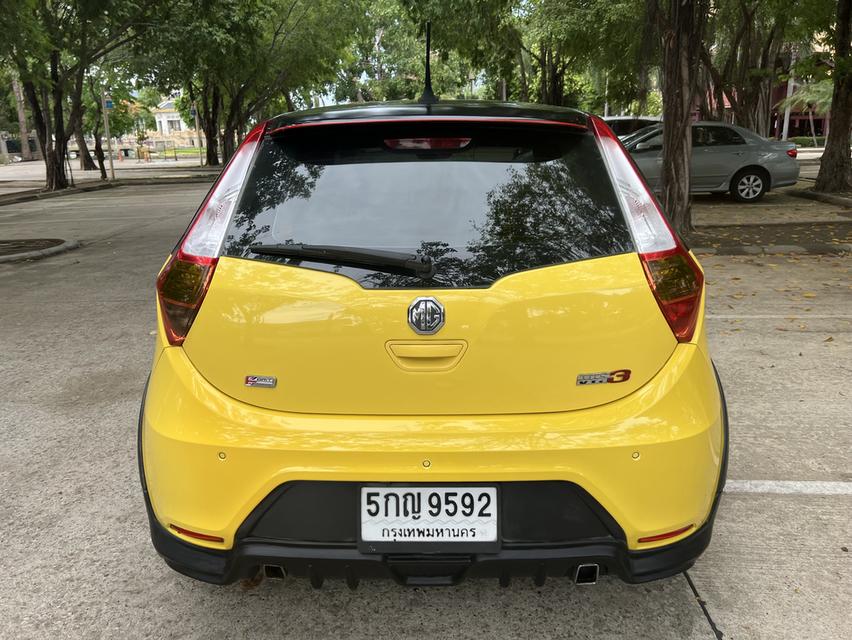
{"x": 501, "y": 199}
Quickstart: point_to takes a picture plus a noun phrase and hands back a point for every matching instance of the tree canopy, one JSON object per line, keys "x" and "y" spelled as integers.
{"x": 238, "y": 61}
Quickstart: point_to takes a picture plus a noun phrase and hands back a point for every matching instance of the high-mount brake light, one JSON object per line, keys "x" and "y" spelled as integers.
{"x": 427, "y": 143}
{"x": 183, "y": 282}
{"x": 675, "y": 278}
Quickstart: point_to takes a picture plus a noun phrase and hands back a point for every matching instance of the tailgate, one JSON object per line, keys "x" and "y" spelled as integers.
{"x": 515, "y": 347}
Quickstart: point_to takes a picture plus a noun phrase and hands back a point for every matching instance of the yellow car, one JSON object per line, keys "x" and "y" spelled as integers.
{"x": 430, "y": 342}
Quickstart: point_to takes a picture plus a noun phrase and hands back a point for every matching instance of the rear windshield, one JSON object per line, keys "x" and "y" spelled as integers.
{"x": 480, "y": 201}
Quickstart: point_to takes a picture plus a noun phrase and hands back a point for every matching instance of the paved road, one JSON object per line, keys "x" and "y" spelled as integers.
{"x": 26, "y": 176}
{"x": 76, "y": 343}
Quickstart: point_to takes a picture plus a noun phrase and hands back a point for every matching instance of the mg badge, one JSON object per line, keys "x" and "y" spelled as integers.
{"x": 425, "y": 315}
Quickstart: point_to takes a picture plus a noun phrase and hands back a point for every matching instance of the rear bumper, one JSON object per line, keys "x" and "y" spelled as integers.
{"x": 704, "y": 465}
{"x": 317, "y": 564}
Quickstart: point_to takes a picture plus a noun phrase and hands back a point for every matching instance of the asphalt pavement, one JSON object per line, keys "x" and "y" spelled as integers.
{"x": 76, "y": 343}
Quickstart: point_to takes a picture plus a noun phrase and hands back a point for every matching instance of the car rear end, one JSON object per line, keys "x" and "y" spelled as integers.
{"x": 779, "y": 158}
{"x": 538, "y": 402}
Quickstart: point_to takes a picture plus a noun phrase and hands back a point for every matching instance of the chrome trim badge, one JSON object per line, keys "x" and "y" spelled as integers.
{"x": 425, "y": 315}
{"x": 267, "y": 382}
{"x": 619, "y": 375}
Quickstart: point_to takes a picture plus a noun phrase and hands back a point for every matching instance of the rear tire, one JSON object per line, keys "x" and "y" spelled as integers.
{"x": 749, "y": 185}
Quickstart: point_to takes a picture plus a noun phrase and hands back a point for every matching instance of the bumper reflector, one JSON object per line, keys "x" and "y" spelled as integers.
{"x": 666, "y": 536}
{"x": 195, "y": 534}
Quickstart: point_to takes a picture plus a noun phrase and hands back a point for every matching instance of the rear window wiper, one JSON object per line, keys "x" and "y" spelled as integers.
{"x": 386, "y": 261}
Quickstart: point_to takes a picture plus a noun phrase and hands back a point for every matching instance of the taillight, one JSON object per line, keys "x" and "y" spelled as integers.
{"x": 793, "y": 153}
{"x": 676, "y": 282}
{"x": 675, "y": 278}
{"x": 183, "y": 282}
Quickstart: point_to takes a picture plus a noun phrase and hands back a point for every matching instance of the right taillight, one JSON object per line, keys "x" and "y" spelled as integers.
{"x": 183, "y": 282}
{"x": 674, "y": 276}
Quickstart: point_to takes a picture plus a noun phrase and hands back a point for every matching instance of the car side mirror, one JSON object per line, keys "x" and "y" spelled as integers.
{"x": 645, "y": 146}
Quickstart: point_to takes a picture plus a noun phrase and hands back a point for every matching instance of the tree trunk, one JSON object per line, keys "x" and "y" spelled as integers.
{"x": 96, "y": 133}
{"x": 681, "y": 26}
{"x": 47, "y": 107}
{"x": 229, "y": 145}
{"x": 86, "y": 162}
{"x": 26, "y": 153}
{"x": 56, "y": 178}
{"x": 835, "y": 170}
{"x": 525, "y": 87}
{"x": 210, "y": 124}
{"x": 233, "y": 124}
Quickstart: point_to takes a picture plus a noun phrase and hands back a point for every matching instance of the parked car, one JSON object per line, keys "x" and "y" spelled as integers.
{"x": 625, "y": 125}
{"x": 724, "y": 158}
{"x": 430, "y": 341}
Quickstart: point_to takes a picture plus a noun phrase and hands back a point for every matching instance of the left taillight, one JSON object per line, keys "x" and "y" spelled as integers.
{"x": 183, "y": 282}
{"x": 793, "y": 153}
{"x": 673, "y": 274}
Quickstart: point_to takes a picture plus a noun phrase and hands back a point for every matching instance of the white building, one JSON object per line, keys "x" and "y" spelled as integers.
{"x": 168, "y": 119}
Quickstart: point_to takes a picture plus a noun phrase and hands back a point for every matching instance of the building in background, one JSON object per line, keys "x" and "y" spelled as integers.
{"x": 170, "y": 127}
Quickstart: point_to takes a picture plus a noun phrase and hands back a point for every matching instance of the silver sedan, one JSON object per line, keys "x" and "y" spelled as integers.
{"x": 724, "y": 158}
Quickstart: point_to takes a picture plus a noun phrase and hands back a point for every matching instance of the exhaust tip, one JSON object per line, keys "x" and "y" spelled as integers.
{"x": 586, "y": 574}
{"x": 274, "y": 571}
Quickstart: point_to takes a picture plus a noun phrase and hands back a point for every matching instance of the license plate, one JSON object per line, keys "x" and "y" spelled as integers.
{"x": 429, "y": 514}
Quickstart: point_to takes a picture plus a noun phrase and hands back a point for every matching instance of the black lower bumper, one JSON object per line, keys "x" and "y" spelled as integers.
{"x": 342, "y": 559}
{"x": 318, "y": 563}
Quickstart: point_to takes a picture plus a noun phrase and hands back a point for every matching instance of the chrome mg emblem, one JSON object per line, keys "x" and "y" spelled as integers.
{"x": 425, "y": 315}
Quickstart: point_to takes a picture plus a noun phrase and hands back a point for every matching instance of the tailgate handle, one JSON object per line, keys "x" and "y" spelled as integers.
{"x": 426, "y": 350}
{"x": 426, "y": 356}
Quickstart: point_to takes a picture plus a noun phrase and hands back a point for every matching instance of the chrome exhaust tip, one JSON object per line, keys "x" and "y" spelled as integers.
{"x": 586, "y": 574}
{"x": 274, "y": 571}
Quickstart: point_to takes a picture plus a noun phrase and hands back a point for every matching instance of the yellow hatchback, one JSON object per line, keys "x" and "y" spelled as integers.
{"x": 426, "y": 342}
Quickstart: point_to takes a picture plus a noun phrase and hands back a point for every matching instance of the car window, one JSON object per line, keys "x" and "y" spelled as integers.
{"x": 715, "y": 136}
{"x": 628, "y": 126}
{"x": 654, "y": 142}
{"x": 638, "y": 135}
{"x": 480, "y": 201}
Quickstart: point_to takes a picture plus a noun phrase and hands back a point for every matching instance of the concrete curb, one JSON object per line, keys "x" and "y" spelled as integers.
{"x": 68, "y": 245}
{"x": 38, "y": 194}
{"x": 775, "y": 249}
{"x": 822, "y": 197}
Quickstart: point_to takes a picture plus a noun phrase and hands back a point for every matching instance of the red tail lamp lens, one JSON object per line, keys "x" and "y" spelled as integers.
{"x": 183, "y": 282}
{"x": 427, "y": 143}
{"x": 181, "y": 286}
{"x": 793, "y": 153}
{"x": 195, "y": 534}
{"x": 676, "y": 282}
{"x": 666, "y": 536}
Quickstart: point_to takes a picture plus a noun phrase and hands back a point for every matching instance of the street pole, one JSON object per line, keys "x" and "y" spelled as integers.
{"x": 198, "y": 136}
{"x": 106, "y": 133}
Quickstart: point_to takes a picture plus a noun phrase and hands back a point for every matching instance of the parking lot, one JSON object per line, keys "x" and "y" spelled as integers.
{"x": 76, "y": 341}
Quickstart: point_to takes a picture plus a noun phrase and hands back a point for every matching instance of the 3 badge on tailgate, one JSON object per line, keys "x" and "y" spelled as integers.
{"x": 428, "y": 518}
